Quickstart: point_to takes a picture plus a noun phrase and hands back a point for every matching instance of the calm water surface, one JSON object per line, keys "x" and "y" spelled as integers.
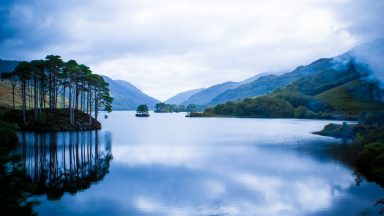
{"x": 171, "y": 165}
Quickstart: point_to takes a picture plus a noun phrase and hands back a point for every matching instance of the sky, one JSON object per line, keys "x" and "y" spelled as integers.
{"x": 167, "y": 46}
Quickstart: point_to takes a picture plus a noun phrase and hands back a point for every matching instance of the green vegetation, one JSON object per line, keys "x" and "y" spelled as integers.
{"x": 353, "y": 97}
{"x": 259, "y": 107}
{"x": 169, "y": 108}
{"x": 52, "y": 84}
{"x": 344, "y": 131}
{"x": 269, "y": 83}
{"x": 142, "y": 111}
{"x": 166, "y": 108}
{"x": 326, "y": 94}
{"x": 367, "y": 150}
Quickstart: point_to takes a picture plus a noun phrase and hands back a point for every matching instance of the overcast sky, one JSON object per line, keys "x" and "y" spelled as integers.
{"x": 167, "y": 46}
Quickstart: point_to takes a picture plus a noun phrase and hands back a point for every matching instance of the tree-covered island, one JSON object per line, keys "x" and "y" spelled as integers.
{"x": 53, "y": 95}
{"x": 170, "y": 108}
{"x": 142, "y": 111}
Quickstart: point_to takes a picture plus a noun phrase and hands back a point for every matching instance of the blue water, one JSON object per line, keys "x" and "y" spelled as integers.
{"x": 171, "y": 165}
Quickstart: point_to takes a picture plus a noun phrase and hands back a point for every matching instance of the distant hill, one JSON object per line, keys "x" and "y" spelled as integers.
{"x": 345, "y": 90}
{"x": 205, "y": 96}
{"x": 182, "y": 97}
{"x": 7, "y": 65}
{"x": 342, "y": 93}
{"x": 268, "y": 83}
{"x": 341, "y": 87}
{"x": 126, "y": 96}
{"x": 371, "y": 54}
{"x": 255, "y": 77}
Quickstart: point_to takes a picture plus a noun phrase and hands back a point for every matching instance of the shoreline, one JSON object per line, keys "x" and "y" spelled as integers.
{"x": 365, "y": 153}
{"x": 50, "y": 120}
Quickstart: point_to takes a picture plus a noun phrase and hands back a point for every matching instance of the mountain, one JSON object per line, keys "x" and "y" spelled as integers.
{"x": 7, "y": 66}
{"x": 182, "y": 97}
{"x": 268, "y": 83}
{"x": 203, "y": 96}
{"x": 206, "y": 95}
{"x": 371, "y": 54}
{"x": 126, "y": 96}
{"x": 255, "y": 77}
{"x": 341, "y": 87}
{"x": 338, "y": 93}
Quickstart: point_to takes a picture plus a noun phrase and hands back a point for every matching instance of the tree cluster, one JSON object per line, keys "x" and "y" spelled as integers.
{"x": 142, "y": 109}
{"x": 264, "y": 107}
{"x": 168, "y": 108}
{"x": 276, "y": 106}
{"x": 52, "y": 83}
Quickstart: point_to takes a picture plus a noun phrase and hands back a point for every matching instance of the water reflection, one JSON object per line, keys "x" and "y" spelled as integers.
{"x": 64, "y": 162}
{"x": 172, "y": 165}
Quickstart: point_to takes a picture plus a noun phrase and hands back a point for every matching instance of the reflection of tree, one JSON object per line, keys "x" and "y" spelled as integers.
{"x": 64, "y": 162}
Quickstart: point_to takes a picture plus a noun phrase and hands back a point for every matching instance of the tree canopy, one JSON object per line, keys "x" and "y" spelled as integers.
{"x": 52, "y": 83}
{"x": 168, "y": 108}
{"x": 142, "y": 108}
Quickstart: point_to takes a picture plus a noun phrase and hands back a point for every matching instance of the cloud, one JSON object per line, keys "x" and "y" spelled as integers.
{"x": 168, "y": 46}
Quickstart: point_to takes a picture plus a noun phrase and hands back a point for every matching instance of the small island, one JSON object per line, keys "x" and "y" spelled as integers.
{"x": 172, "y": 108}
{"x": 142, "y": 111}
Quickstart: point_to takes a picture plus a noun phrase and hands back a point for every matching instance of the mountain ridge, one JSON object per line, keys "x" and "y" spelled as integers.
{"x": 206, "y": 95}
{"x": 343, "y": 87}
{"x": 181, "y": 97}
{"x": 127, "y": 96}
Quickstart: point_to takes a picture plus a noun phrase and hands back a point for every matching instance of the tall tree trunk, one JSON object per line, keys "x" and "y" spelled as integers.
{"x": 28, "y": 95}
{"x": 13, "y": 95}
{"x": 41, "y": 94}
{"x": 24, "y": 104}
{"x": 50, "y": 89}
{"x": 90, "y": 106}
{"x": 96, "y": 105}
{"x": 81, "y": 99}
{"x": 30, "y": 98}
{"x": 64, "y": 97}
{"x": 45, "y": 98}
{"x": 35, "y": 103}
{"x": 77, "y": 95}
{"x": 70, "y": 102}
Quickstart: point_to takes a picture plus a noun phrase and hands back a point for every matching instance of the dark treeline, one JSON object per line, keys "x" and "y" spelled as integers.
{"x": 272, "y": 106}
{"x": 168, "y": 108}
{"x": 52, "y": 83}
{"x": 265, "y": 107}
